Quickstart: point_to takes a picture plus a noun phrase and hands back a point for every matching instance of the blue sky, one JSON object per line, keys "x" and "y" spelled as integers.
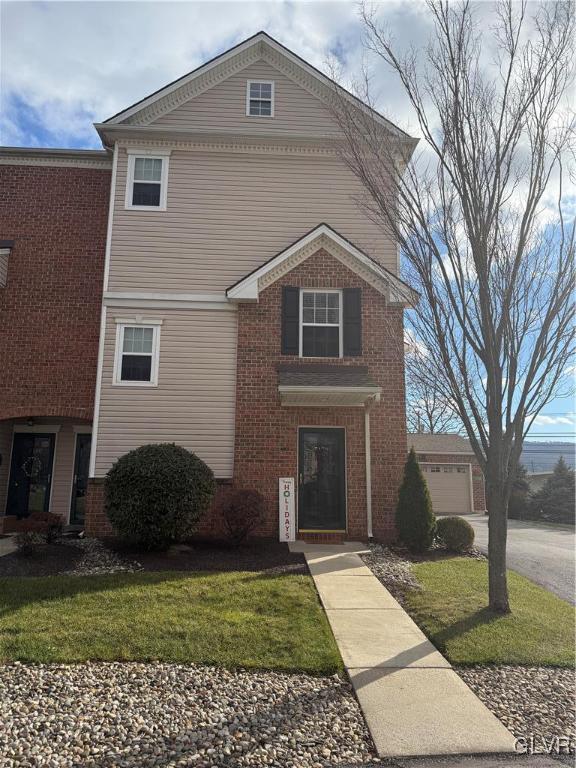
{"x": 65, "y": 65}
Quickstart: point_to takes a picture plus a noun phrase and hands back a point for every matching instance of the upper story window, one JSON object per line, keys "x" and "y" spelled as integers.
{"x": 147, "y": 182}
{"x": 321, "y": 324}
{"x": 260, "y": 98}
{"x": 137, "y": 353}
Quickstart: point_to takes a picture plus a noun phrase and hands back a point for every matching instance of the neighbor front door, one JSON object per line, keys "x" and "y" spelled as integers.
{"x": 30, "y": 474}
{"x": 322, "y": 479}
{"x": 81, "y": 466}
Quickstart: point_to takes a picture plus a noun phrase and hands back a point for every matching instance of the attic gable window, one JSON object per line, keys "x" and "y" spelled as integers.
{"x": 260, "y": 98}
{"x": 147, "y": 180}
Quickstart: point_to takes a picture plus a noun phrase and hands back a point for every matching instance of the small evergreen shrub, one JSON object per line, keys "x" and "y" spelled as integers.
{"x": 155, "y": 494}
{"x": 455, "y": 533}
{"x": 415, "y": 519}
{"x": 242, "y": 510}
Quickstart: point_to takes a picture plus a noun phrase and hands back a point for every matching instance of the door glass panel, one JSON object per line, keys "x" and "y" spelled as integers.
{"x": 81, "y": 467}
{"x": 322, "y": 480}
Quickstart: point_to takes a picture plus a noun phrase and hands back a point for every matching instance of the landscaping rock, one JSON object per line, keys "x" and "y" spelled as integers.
{"x": 101, "y": 715}
{"x": 534, "y": 703}
{"x": 98, "y": 559}
{"x": 393, "y": 571}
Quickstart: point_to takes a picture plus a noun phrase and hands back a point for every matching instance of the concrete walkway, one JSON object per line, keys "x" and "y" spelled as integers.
{"x": 7, "y": 545}
{"x": 413, "y": 701}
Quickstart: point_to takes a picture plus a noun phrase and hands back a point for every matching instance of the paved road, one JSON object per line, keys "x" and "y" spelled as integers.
{"x": 541, "y": 552}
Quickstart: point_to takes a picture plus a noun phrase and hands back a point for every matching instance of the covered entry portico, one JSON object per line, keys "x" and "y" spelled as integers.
{"x": 43, "y": 468}
{"x": 322, "y": 481}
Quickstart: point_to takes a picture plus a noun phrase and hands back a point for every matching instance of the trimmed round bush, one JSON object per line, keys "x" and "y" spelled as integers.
{"x": 242, "y": 510}
{"x": 155, "y": 494}
{"x": 415, "y": 519}
{"x": 455, "y": 533}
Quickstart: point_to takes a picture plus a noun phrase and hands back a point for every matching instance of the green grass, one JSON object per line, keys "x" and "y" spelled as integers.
{"x": 233, "y": 619}
{"x": 451, "y": 610}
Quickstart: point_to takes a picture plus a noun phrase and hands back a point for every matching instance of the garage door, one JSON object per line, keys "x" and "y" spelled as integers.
{"x": 449, "y": 486}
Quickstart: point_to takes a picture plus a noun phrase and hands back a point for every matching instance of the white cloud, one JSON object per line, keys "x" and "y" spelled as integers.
{"x": 65, "y": 65}
{"x": 542, "y": 420}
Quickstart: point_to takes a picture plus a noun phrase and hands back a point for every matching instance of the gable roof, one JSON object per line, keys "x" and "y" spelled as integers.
{"x": 323, "y": 236}
{"x": 261, "y": 43}
{"x": 446, "y": 442}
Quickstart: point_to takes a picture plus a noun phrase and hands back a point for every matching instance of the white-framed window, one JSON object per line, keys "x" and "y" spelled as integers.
{"x": 137, "y": 353}
{"x": 320, "y": 323}
{"x": 147, "y": 180}
{"x": 260, "y": 98}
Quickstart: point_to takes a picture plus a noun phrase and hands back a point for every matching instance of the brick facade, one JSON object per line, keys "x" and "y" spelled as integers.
{"x": 478, "y": 492}
{"x": 267, "y": 432}
{"x": 50, "y": 307}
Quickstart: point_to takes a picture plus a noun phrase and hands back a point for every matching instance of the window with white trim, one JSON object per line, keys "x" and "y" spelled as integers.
{"x": 260, "y": 98}
{"x": 146, "y": 186}
{"x": 137, "y": 354}
{"x": 320, "y": 323}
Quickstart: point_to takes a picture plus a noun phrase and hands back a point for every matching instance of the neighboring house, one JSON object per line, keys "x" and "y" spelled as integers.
{"x": 454, "y": 477}
{"x": 246, "y": 307}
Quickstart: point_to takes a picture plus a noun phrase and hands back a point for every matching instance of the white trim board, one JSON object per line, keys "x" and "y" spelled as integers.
{"x": 323, "y": 236}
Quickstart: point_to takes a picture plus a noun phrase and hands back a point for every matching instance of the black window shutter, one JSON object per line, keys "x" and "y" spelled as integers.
{"x": 352, "y": 306}
{"x": 290, "y": 321}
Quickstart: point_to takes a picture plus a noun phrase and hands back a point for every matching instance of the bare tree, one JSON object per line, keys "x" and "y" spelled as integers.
{"x": 478, "y": 216}
{"x": 427, "y": 410}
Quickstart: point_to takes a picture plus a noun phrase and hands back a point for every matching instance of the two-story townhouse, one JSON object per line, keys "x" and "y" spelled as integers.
{"x": 251, "y": 311}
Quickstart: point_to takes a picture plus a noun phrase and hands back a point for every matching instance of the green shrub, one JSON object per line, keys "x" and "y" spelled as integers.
{"x": 455, "y": 533}
{"x": 242, "y": 511}
{"x": 155, "y": 494}
{"x": 415, "y": 519}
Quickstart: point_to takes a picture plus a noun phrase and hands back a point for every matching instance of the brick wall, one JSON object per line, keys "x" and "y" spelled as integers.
{"x": 266, "y": 432}
{"x": 477, "y": 474}
{"x": 50, "y": 307}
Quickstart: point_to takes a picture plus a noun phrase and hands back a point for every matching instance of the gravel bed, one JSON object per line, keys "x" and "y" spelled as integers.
{"x": 393, "y": 571}
{"x": 98, "y": 559}
{"x": 529, "y": 701}
{"x": 111, "y": 714}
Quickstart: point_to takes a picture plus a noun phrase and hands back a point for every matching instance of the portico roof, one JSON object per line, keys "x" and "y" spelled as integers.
{"x": 322, "y": 385}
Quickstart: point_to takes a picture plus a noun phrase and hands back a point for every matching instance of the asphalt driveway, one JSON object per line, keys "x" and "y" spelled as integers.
{"x": 543, "y": 553}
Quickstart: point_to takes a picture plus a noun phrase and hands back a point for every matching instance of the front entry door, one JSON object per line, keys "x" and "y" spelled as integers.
{"x": 322, "y": 480}
{"x": 81, "y": 466}
{"x": 30, "y": 474}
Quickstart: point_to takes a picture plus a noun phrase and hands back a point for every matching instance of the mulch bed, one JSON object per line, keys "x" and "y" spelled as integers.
{"x": 48, "y": 561}
{"x": 269, "y": 556}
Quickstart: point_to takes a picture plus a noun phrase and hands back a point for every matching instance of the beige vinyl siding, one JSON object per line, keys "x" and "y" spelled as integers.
{"x": 5, "y": 451}
{"x": 63, "y": 470}
{"x": 224, "y": 106}
{"x": 228, "y": 213}
{"x": 193, "y": 404}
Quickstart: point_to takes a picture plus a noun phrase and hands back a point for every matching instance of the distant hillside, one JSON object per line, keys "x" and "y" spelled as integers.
{"x": 541, "y": 457}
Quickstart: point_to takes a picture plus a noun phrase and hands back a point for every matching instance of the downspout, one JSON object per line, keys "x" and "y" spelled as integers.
{"x": 368, "y": 452}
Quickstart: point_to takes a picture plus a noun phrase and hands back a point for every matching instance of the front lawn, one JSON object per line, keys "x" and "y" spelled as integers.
{"x": 235, "y": 619}
{"x": 451, "y": 610}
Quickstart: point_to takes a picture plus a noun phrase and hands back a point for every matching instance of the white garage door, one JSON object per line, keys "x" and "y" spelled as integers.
{"x": 449, "y": 486}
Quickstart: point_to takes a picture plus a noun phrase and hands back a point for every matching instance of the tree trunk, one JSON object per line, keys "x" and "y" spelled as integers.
{"x": 497, "y": 530}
